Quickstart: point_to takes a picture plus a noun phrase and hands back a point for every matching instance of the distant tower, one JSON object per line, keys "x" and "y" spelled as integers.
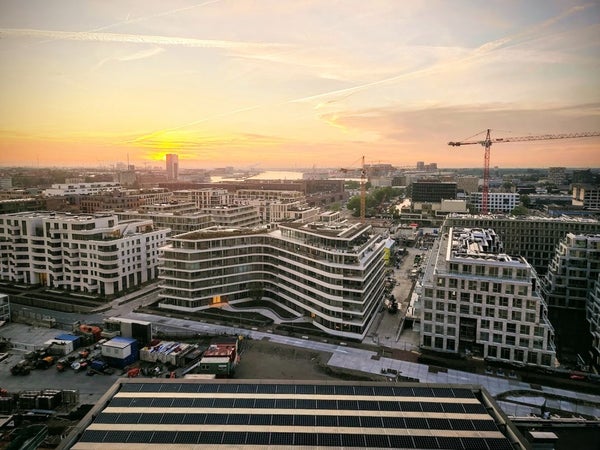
{"x": 420, "y": 165}
{"x": 172, "y": 166}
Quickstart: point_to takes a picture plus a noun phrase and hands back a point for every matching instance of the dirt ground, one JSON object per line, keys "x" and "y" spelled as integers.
{"x": 268, "y": 360}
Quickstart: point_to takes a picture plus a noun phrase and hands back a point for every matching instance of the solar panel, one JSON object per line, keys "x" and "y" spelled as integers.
{"x": 371, "y": 422}
{"x": 175, "y": 418}
{"x": 326, "y": 404}
{"x": 151, "y": 418}
{"x": 475, "y": 444}
{"x": 260, "y": 419}
{"x": 326, "y": 421}
{"x": 93, "y": 436}
{"x": 186, "y": 437}
{"x": 443, "y": 392}
{"x": 439, "y": 424}
{"x": 306, "y": 404}
{"x": 410, "y": 406}
{"x": 188, "y": 387}
{"x": 257, "y": 438}
{"x": 463, "y": 393}
{"x": 234, "y": 438}
{"x": 401, "y": 441}
{"x": 267, "y": 403}
{"x": 142, "y": 402}
{"x": 267, "y": 389}
{"x": 351, "y": 405}
{"x": 281, "y": 403}
{"x": 281, "y": 439}
{"x": 161, "y": 402}
{"x": 304, "y": 421}
{"x": 389, "y": 406}
{"x": 243, "y": 403}
{"x": 329, "y": 439}
{"x": 285, "y": 389}
{"x": 485, "y": 425}
{"x": 182, "y": 403}
{"x": 393, "y": 422}
{"x": 163, "y": 437}
{"x": 344, "y": 390}
{"x": 203, "y": 402}
{"x": 149, "y": 387}
{"x": 425, "y": 442}
{"x": 247, "y": 388}
{"x": 474, "y": 408}
{"x": 130, "y": 387}
{"x": 423, "y": 392}
{"x": 223, "y": 403}
{"x": 376, "y": 440}
{"x": 238, "y": 419}
{"x": 431, "y": 407}
{"x": 228, "y": 388}
{"x": 210, "y": 437}
{"x": 460, "y": 424}
{"x": 305, "y": 439}
{"x": 194, "y": 419}
{"x": 403, "y": 391}
{"x": 349, "y": 421}
{"x": 139, "y": 437}
{"x": 418, "y": 423}
{"x": 216, "y": 419}
{"x": 116, "y": 436}
{"x": 129, "y": 418}
{"x": 205, "y": 387}
{"x": 107, "y": 418}
{"x": 170, "y": 387}
{"x": 352, "y": 440}
{"x": 282, "y": 420}
{"x": 120, "y": 402}
{"x": 453, "y": 443}
{"x": 305, "y": 389}
{"x": 383, "y": 391}
{"x": 363, "y": 390}
{"x": 368, "y": 405}
{"x": 453, "y": 407}
{"x": 324, "y": 389}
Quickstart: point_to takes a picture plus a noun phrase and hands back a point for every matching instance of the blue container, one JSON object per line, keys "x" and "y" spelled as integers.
{"x": 70, "y": 337}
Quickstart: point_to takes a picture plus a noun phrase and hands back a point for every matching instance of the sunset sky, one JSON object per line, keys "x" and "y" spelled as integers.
{"x": 293, "y": 83}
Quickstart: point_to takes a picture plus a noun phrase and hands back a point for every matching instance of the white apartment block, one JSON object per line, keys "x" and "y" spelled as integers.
{"x": 572, "y": 272}
{"x": 498, "y": 202}
{"x": 330, "y": 274}
{"x": 477, "y": 299}
{"x": 210, "y": 198}
{"x": 59, "y": 189}
{"x": 176, "y": 222}
{"x": 593, "y": 317}
{"x": 95, "y": 254}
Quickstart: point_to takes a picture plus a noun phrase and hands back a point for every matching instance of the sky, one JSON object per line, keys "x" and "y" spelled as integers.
{"x": 297, "y": 83}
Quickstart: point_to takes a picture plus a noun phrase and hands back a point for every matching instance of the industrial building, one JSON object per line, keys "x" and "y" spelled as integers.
{"x": 478, "y": 300}
{"x": 329, "y": 273}
{"x": 94, "y": 254}
{"x": 286, "y": 414}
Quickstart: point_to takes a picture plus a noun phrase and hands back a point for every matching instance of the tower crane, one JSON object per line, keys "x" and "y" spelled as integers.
{"x": 487, "y": 143}
{"x": 363, "y": 189}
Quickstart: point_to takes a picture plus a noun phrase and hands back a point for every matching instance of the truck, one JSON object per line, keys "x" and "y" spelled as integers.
{"x": 23, "y": 367}
{"x": 97, "y": 366}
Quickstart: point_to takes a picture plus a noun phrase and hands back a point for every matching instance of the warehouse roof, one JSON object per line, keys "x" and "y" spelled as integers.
{"x": 287, "y": 414}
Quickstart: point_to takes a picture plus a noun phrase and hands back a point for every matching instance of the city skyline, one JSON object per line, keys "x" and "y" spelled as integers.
{"x": 287, "y": 84}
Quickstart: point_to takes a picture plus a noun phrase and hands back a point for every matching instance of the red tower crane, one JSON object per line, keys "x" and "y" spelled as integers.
{"x": 487, "y": 143}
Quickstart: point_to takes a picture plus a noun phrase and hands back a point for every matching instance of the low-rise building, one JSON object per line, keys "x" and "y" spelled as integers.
{"x": 498, "y": 202}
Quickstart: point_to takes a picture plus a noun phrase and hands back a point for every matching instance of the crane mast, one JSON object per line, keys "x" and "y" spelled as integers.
{"x": 487, "y": 144}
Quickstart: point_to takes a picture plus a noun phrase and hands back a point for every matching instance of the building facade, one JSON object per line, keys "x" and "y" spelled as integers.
{"x": 172, "y": 161}
{"x": 330, "y": 274}
{"x": 498, "y": 202}
{"x": 432, "y": 191}
{"x": 593, "y": 318}
{"x": 93, "y": 254}
{"x": 586, "y": 196}
{"x": 477, "y": 299}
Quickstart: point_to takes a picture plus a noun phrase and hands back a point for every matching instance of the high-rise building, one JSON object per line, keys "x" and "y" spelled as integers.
{"x": 329, "y": 273}
{"x": 477, "y": 299}
{"x": 94, "y": 254}
{"x": 593, "y": 317}
{"x": 172, "y": 166}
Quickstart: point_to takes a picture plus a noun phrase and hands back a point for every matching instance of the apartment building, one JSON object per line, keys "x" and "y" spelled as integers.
{"x": 498, "y": 202}
{"x": 210, "y": 197}
{"x": 234, "y": 216}
{"x": 593, "y": 318}
{"x": 177, "y": 223}
{"x": 95, "y": 254}
{"x": 330, "y": 274}
{"x": 62, "y": 189}
{"x": 477, "y": 299}
{"x": 587, "y": 196}
{"x": 532, "y": 237}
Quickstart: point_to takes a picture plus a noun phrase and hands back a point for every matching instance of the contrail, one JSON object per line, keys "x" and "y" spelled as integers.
{"x": 135, "y": 39}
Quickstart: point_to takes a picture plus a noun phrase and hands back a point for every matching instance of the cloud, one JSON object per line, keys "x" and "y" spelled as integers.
{"x": 87, "y": 36}
{"x": 142, "y": 54}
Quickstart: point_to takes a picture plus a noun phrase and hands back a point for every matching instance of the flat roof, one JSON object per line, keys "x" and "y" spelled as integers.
{"x": 255, "y": 414}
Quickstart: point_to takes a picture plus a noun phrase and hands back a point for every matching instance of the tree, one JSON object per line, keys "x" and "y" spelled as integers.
{"x": 519, "y": 211}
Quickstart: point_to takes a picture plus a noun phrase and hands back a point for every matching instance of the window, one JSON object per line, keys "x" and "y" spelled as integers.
{"x": 490, "y": 312}
{"x": 484, "y": 323}
{"x": 427, "y": 341}
{"x": 492, "y": 351}
{"x": 480, "y": 270}
{"x": 493, "y": 271}
{"x": 524, "y": 342}
{"x": 503, "y": 313}
{"x": 497, "y": 338}
{"x": 510, "y": 340}
{"x": 466, "y": 268}
{"x": 472, "y": 285}
{"x": 484, "y": 336}
{"x": 509, "y": 289}
{"x": 517, "y": 303}
{"x": 498, "y": 326}
{"x": 524, "y": 329}
{"x": 505, "y": 353}
{"x": 451, "y": 307}
{"x": 484, "y": 286}
{"x": 441, "y": 282}
{"x": 450, "y": 344}
{"x": 497, "y": 287}
{"x": 439, "y": 342}
{"x": 516, "y": 315}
